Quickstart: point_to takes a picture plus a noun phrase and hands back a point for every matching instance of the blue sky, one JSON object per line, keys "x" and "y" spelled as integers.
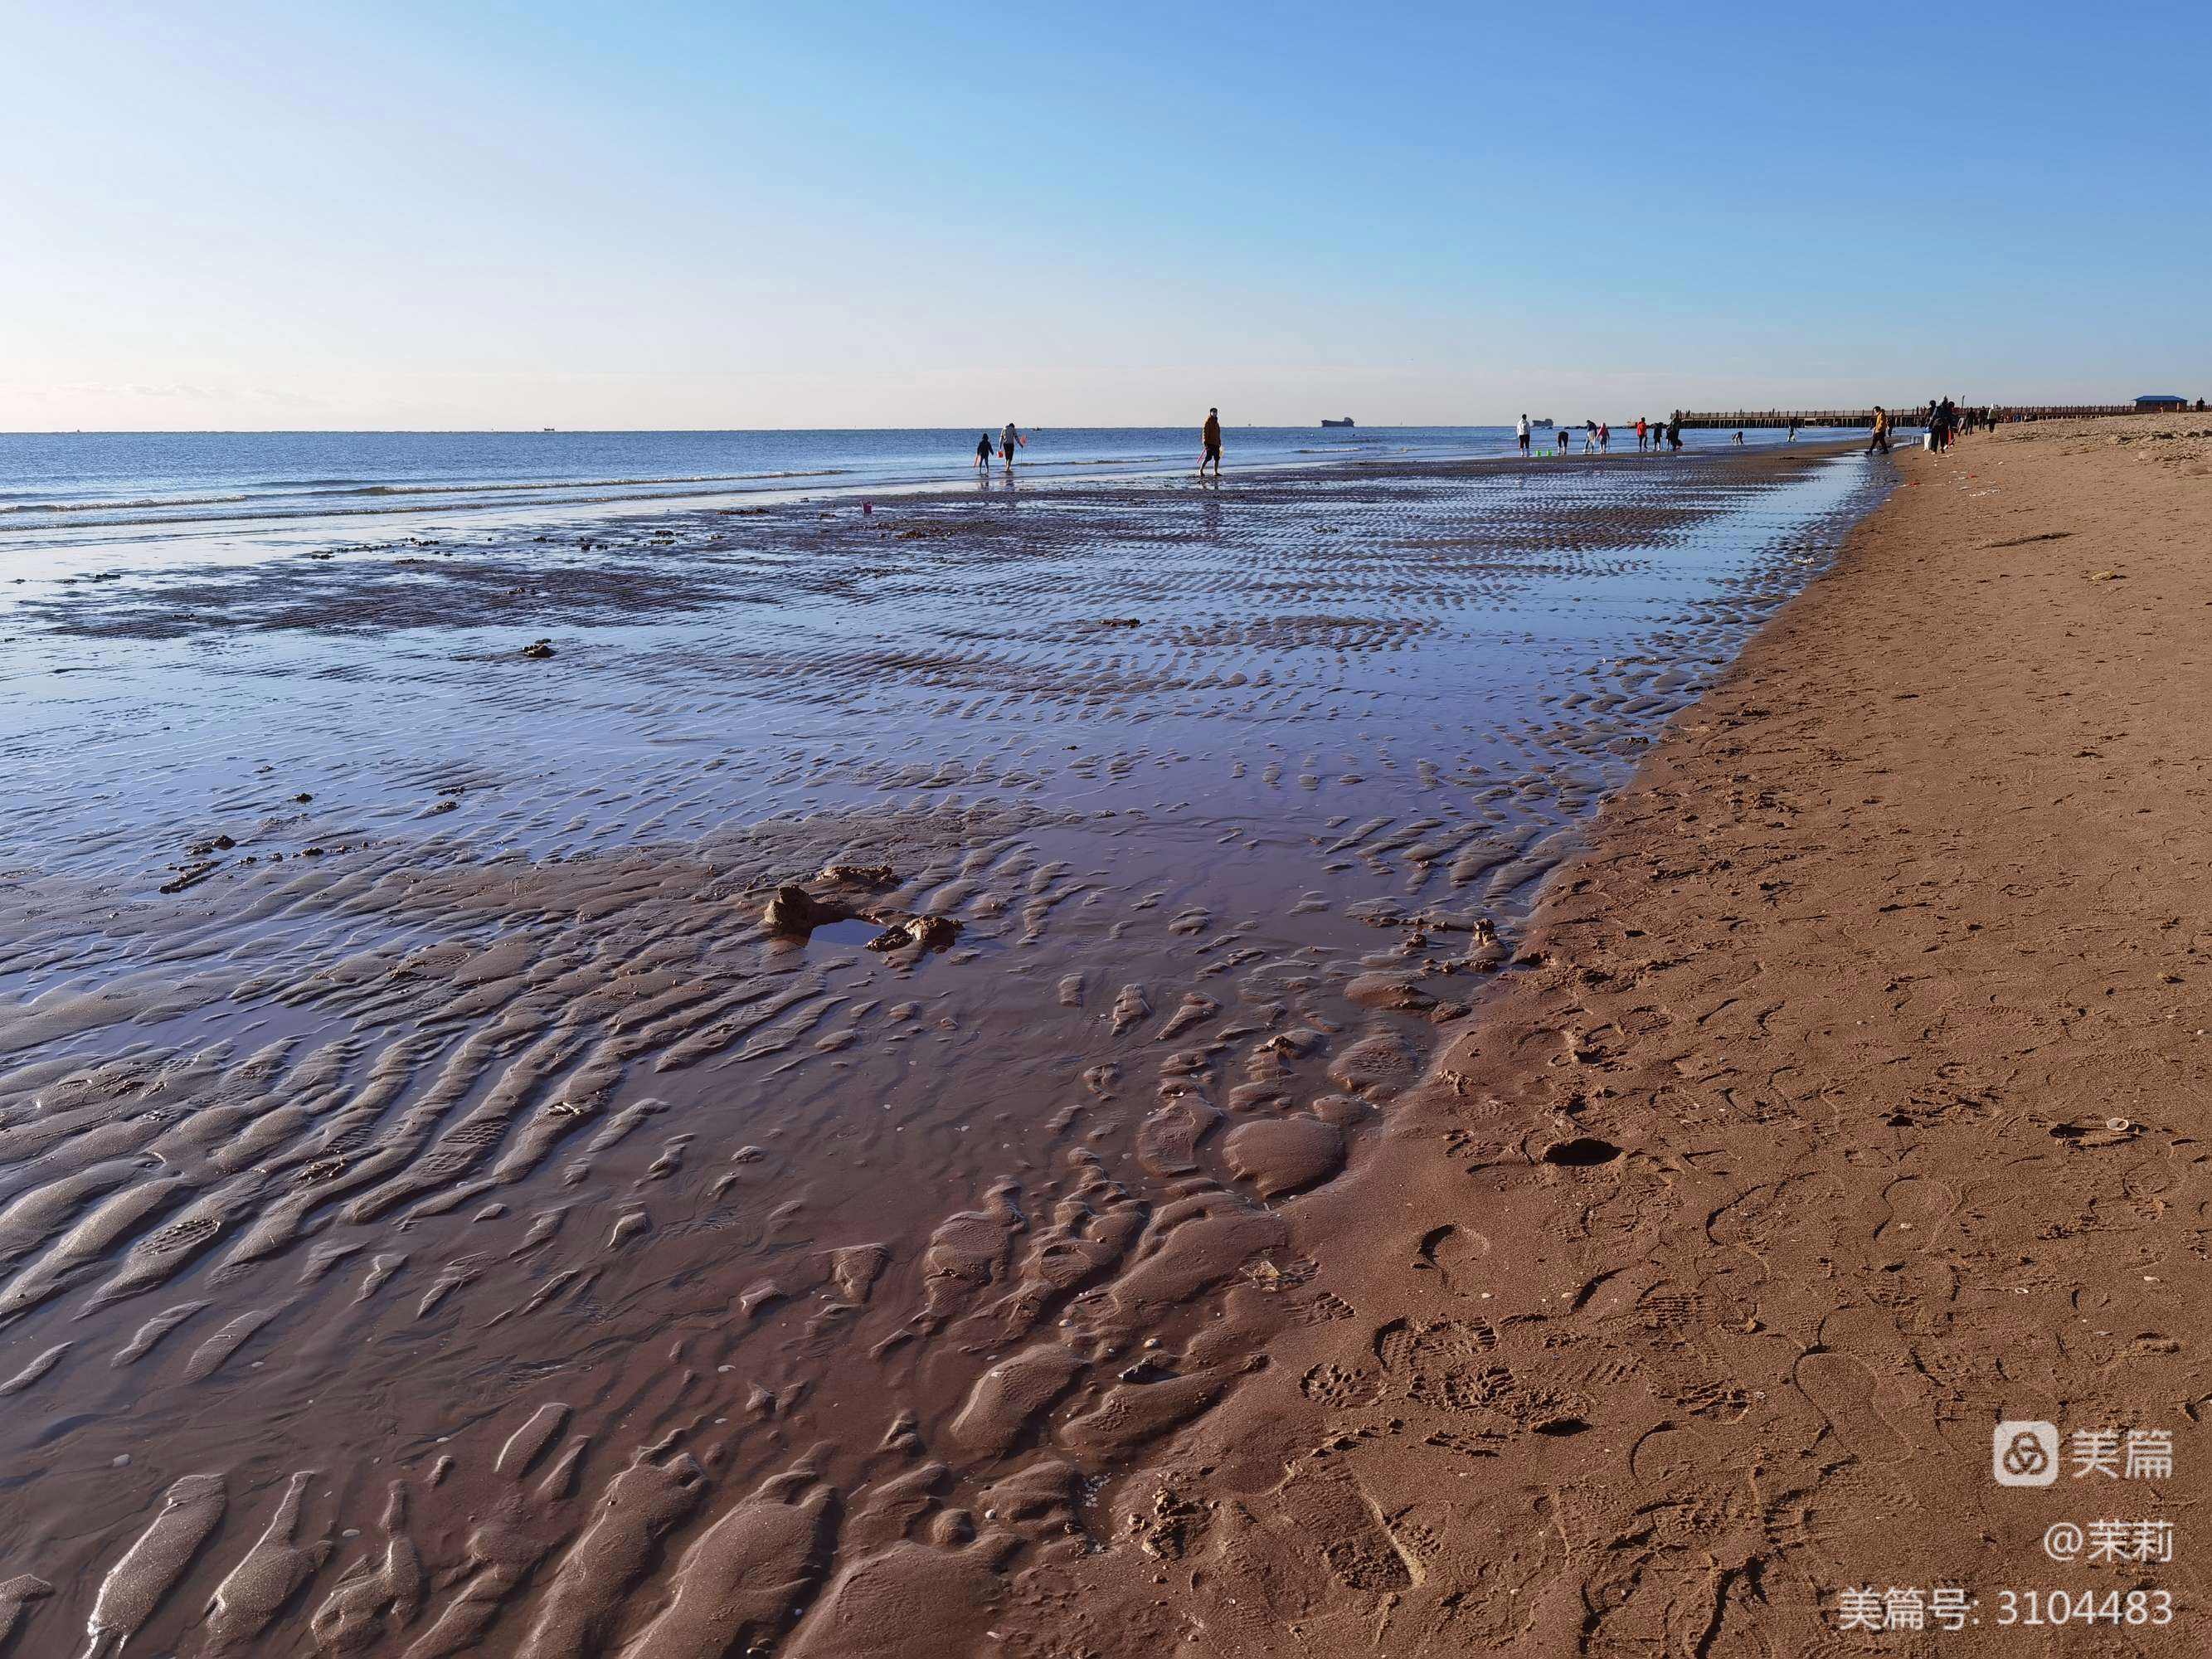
{"x": 416, "y": 214}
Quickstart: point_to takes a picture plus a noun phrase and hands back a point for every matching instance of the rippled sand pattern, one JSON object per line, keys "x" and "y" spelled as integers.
{"x": 720, "y": 1139}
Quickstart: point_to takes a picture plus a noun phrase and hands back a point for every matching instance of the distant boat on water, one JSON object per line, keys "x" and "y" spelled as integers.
{"x": 1347, "y": 421}
{"x": 1544, "y": 425}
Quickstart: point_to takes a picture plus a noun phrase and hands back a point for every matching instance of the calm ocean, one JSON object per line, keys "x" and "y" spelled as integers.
{"x": 75, "y": 481}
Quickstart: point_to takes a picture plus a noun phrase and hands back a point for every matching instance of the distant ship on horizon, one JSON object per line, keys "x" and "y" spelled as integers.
{"x": 1347, "y": 421}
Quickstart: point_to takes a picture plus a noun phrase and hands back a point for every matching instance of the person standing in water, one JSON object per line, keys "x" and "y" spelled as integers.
{"x": 1522, "y": 432}
{"x": 1211, "y": 439}
{"x": 983, "y": 453}
{"x": 1643, "y": 428}
{"x": 1009, "y": 441}
{"x": 1881, "y": 439}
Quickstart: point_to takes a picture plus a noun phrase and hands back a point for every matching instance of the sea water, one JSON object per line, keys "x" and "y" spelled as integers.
{"x": 56, "y": 486}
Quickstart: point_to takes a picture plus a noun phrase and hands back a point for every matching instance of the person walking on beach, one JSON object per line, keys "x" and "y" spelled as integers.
{"x": 1881, "y": 439}
{"x": 983, "y": 453}
{"x": 1675, "y": 434}
{"x": 1792, "y": 438}
{"x": 1642, "y": 429}
{"x": 1010, "y": 441}
{"x": 1211, "y": 439}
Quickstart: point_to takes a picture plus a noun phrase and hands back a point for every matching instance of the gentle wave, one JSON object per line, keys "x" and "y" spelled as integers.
{"x": 121, "y": 506}
{"x": 268, "y": 513}
{"x": 271, "y": 509}
{"x": 473, "y": 489}
{"x": 461, "y": 490}
{"x": 278, "y": 504}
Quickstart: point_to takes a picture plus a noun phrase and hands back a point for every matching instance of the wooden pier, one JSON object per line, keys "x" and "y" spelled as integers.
{"x": 1905, "y": 414}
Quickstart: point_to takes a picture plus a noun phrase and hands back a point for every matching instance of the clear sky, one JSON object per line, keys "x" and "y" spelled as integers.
{"x": 455, "y": 215}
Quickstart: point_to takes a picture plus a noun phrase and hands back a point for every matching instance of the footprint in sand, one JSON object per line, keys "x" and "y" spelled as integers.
{"x": 1918, "y": 1207}
{"x": 1456, "y": 1254}
{"x": 1843, "y": 1388}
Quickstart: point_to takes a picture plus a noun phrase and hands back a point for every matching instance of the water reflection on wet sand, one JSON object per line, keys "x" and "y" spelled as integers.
{"x": 448, "y": 1218}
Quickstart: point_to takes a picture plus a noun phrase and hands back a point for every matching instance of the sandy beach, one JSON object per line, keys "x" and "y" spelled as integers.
{"x": 1068, "y": 1072}
{"x": 1850, "y": 1101}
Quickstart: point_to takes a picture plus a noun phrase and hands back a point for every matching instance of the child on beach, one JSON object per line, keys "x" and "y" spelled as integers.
{"x": 983, "y": 453}
{"x": 1211, "y": 439}
{"x": 1641, "y": 430}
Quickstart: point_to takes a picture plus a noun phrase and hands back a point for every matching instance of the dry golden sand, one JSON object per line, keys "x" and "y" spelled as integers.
{"x": 1882, "y": 999}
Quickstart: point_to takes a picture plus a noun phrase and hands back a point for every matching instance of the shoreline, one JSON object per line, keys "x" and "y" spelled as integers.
{"x": 55, "y": 540}
{"x": 623, "y": 593}
{"x": 436, "y": 982}
{"x": 1850, "y": 1099}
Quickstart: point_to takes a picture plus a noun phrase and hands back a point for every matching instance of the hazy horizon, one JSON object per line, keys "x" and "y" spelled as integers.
{"x": 410, "y": 218}
{"x": 1029, "y": 428}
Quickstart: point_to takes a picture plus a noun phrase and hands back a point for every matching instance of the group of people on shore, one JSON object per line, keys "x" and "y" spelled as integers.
{"x": 1597, "y": 436}
{"x": 1944, "y": 419}
{"x": 1010, "y": 439}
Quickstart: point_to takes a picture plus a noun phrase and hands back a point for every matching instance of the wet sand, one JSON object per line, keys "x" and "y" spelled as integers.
{"x": 1853, "y": 1100}
{"x": 794, "y": 1118}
